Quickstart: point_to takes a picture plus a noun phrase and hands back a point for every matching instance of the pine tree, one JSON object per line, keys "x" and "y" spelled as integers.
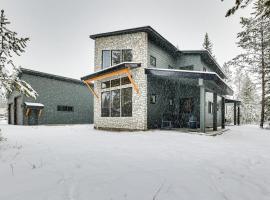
{"x": 207, "y": 44}
{"x": 249, "y": 99}
{"x": 10, "y": 44}
{"x": 244, "y": 3}
{"x": 255, "y": 40}
{"x": 228, "y": 71}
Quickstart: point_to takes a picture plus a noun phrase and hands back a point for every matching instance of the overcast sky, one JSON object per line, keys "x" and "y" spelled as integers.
{"x": 59, "y": 29}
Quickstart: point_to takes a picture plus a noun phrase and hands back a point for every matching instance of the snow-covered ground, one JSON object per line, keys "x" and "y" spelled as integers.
{"x": 78, "y": 162}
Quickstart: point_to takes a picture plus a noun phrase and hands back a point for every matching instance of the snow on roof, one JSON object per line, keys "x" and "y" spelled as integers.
{"x": 31, "y": 104}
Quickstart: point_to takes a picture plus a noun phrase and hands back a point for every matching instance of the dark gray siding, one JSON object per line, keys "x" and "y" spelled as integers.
{"x": 165, "y": 90}
{"x": 56, "y": 92}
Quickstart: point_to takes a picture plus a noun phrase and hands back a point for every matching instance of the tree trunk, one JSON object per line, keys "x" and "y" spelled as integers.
{"x": 263, "y": 81}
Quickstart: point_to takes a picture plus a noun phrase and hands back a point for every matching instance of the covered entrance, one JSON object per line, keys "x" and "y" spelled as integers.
{"x": 33, "y": 112}
{"x": 186, "y": 98}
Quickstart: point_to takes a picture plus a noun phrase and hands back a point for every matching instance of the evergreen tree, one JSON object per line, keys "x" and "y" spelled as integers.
{"x": 228, "y": 71}
{"x": 249, "y": 99}
{"x": 244, "y": 3}
{"x": 10, "y": 44}
{"x": 255, "y": 40}
{"x": 207, "y": 44}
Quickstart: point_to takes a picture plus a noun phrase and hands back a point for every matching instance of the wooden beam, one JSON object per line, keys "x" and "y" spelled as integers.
{"x": 136, "y": 88}
{"x": 114, "y": 73}
{"x": 39, "y": 113}
{"x": 27, "y": 112}
{"x": 89, "y": 87}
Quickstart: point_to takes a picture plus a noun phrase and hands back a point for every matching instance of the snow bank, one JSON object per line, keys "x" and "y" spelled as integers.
{"x": 79, "y": 163}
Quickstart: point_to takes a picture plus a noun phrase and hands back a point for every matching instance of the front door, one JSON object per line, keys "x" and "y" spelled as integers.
{"x": 33, "y": 117}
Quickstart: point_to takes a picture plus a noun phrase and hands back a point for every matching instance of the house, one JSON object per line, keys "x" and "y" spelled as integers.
{"x": 60, "y": 100}
{"x": 142, "y": 81}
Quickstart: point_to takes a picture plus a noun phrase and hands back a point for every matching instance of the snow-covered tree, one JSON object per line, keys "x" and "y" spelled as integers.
{"x": 229, "y": 73}
{"x": 255, "y": 41}
{"x": 244, "y": 3}
{"x": 11, "y": 45}
{"x": 249, "y": 98}
{"x": 207, "y": 44}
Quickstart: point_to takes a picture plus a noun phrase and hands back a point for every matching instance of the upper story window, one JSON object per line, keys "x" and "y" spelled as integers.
{"x": 106, "y": 58}
{"x": 153, "y": 61}
{"x": 114, "y": 57}
{"x": 127, "y": 55}
{"x": 65, "y": 108}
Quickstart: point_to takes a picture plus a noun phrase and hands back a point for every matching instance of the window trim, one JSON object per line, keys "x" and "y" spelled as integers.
{"x": 153, "y": 57}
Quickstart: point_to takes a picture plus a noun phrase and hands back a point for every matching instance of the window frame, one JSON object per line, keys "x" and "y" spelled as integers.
{"x": 122, "y": 56}
{"x": 120, "y": 50}
{"x": 155, "y": 59}
{"x": 110, "y": 59}
{"x": 109, "y": 108}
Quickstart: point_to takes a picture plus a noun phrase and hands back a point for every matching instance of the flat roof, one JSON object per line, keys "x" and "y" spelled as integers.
{"x": 112, "y": 69}
{"x": 152, "y": 34}
{"x": 210, "y": 76}
{"x": 50, "y": 76}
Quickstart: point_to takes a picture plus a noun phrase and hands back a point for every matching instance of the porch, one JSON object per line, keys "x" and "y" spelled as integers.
{"x": 186, "y": 99}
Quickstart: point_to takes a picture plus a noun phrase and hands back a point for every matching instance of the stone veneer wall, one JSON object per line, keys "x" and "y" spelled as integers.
{"x": 138, "y": 42}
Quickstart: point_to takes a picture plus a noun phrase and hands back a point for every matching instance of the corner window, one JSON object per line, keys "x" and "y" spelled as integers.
{"x": 65, "y": 108}
{"x": 116, "y": 57}
{"x": 126, "y": 102}
{"x": 105, "y": 104}
{"x": 106, "y": 58}
{"x": 115, "y": 103}
{"x": 153, "y": 61}
{"x": 126, "y": 55}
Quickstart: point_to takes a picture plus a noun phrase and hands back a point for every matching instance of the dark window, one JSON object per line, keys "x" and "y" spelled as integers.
{"x": 116, "y": 57}
{"x": 115, "y": 107}
{"x": 210, "y": 107}
{"x": 125, "y": 81}
{"x": 204, "y": 69}
{"x": 170, "y": 67}
{"x": 153, "y": 61}
{"x": 106, "y": 58}
{"x": 105, "y": 104}
{"x": 126, "y": 55}
{"x": 106, "y": 84}
{"x": 65, "y": 108}
{"x": 126, "y": 102}
{"x": 153, "y": 99}
{"x": 115, "y": 82}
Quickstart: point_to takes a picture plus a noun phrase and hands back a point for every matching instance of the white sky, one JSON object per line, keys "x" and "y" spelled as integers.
{"x": 59, "y": 29}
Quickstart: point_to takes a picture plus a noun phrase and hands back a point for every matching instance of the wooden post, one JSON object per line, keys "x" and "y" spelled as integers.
{"x": 234, "y": 113}
{"x": 214, "y": 111}
{"x": 223, "y": 113}
{"x": 238, "y": 115}
{"x": 40, "y": 112}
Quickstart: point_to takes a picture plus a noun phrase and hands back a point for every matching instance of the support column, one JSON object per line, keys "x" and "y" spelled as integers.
{"x": 202, "y": 106}
{"x": 234, "y": 113}
{"x": 223, "y": 113}
{"x": 238, "y": 115}
{"x": 214, "y": 111}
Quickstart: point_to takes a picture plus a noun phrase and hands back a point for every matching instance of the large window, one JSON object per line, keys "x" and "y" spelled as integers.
{"x": 116, "y": 57}
{"x": 126, "y": 100}
{"x": 106, "y": 58}
{"x": 115, "y": 103}
{"x": 105, "y": 104}
{"x": 210, "y": 107}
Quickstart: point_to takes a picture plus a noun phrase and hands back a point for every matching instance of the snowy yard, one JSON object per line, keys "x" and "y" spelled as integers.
{"x": 78, "y": 162}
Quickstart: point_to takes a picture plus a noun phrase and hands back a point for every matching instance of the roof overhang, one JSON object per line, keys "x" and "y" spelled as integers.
{"x": 116, "y": 70}
{"x": 33, "y": 105}
{"x": 185, "y": 74}
{"x": 227, "y": 100}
